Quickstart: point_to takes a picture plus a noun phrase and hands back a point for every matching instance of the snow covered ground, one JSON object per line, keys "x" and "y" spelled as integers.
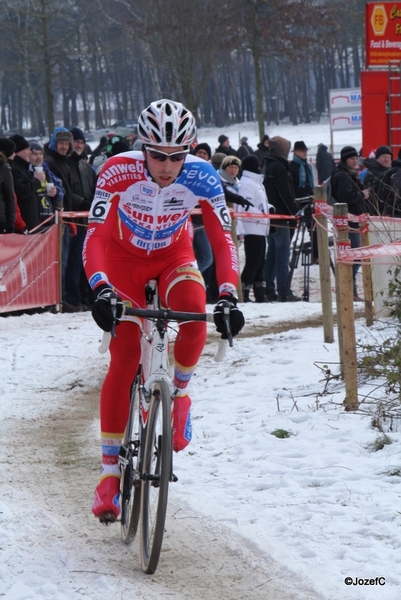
{"x": 309, "y": 510}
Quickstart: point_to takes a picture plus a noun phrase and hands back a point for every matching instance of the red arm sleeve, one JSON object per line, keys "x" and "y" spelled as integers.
{"x": 225, "y": 253}
{"x": 94, "y": 251}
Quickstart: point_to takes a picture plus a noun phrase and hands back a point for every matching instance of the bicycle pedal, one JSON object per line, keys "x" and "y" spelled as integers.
{"x": 107, "y": 518}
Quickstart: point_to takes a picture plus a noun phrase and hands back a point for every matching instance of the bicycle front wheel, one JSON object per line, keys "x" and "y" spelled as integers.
{"x": 130, "y": 486}
{"x": 156, "y": 474}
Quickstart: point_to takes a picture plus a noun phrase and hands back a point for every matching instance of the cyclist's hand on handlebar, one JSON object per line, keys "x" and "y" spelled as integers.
{"x": 236, "y": 318}
{"x": 103, "y": 307}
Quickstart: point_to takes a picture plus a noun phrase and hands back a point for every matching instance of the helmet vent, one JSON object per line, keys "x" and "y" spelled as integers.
{"x": 169, "y": 132}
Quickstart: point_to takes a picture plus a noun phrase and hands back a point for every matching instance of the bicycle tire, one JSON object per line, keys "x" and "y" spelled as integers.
{"x": 156, "y": 470}
{"x": 130, "y": 485}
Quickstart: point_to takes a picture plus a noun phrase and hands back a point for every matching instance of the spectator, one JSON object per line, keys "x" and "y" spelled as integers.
{"x": 26, "y": 182}
{"x": 7, "y": 198}
{"x": 304, "y": 184}
{"x": 325, "y": 164}
{"x": 347, "y": 187}
{"x": 101, "y": 147}
{"x": 280, "y": 192}
{"x": 244, "y": 149}
{"x": 50, "y": 197}
{"x": 217, "y": 159}
{"x": 7, "y": 147}
{"x": 115, "y": 145}
{"x": 254, "y": 230}
{"x": 225, "y": 147}
{"x": 57, "y": 152}
{"x": 83, "y": 181}
{"x": 201, "y": 245}
{"x": 375, "y": 169}
{"x": 263, "y": 149}
{"x": 301, "y": 172}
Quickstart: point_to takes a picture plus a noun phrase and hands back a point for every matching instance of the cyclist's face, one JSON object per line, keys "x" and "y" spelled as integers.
{"x": 164, "y": 172}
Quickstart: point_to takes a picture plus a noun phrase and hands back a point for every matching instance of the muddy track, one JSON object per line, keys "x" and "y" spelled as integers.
{"x": 200, "y": 560}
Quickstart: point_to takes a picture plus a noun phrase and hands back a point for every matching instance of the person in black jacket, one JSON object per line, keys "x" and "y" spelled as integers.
{"x": 57, "y": 155}
{"x": 325, "y": 164}
{"x": 376, "y": 168}
{"x": 280, "y": 193}
{"x": 26, "y": 182}
{"x": 7, "y": 200}
{"x": 225, "y": 147}
{"x": 346, "y": 187}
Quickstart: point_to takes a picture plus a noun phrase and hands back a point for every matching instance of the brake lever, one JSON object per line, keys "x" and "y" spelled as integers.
{"x": 113, "y": 306}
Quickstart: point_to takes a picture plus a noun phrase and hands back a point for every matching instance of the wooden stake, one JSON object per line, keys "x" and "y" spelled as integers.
{"x": 345, "y": 309}
{"x": 367, "y": 284}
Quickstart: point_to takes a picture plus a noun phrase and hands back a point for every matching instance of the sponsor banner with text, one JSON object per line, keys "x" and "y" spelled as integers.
{"x": 28, "y": 270}
{"x": 383, "y": 33}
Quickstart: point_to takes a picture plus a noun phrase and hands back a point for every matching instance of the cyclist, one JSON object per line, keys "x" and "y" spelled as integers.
{"x": 138, "y": 231}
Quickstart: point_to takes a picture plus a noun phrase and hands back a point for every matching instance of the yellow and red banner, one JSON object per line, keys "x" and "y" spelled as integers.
{"x": 383, "y": 33}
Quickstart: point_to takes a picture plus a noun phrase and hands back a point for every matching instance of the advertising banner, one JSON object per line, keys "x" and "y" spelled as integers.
{"x": 345, "y": 107}
{"x": 28, "y": 270}
{"x": 383, "y": 33}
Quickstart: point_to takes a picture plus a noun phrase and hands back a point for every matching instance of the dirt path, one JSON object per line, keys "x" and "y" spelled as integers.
{"x": 199, "y": 560}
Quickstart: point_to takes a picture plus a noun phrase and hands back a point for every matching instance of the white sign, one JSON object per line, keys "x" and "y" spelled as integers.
{"x": 345, "y": 120}
{"x": 345, "y": 109}
{"x": 350, "y": 98}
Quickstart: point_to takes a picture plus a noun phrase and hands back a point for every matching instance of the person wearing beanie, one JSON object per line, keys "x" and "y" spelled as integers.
{"x": 26, "y": 183}
{"x": 7, "y": 199}
{"x": 203, "y": 150}
{"x": 376, "y": 169}
{"x": 78, "y": 140}
{"x": 346, "y": 187}
{"x": 224, "y": 146}
{"x": 20, "y": 142}
{"x": 263, "y": 149}
{"x": 7, "y": 147}
{"x": 35, "y": 146}
{"x": 280, "y": 193}
{"x": 244, "y": 149}
{"x": 254, "y": 230}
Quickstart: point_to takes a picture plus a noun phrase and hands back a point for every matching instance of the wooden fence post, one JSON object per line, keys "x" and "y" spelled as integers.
{"x": 320, "y": 202}
{"x": 345, "y": 311}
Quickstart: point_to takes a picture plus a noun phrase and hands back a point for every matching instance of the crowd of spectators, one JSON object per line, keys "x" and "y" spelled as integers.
{"x": 36, "y": 181}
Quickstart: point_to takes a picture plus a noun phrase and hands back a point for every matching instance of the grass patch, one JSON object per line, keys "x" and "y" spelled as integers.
{"x": 281, "y": 433}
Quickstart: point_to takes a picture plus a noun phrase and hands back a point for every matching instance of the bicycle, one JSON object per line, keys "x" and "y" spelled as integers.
{"x": 146, "y": 454}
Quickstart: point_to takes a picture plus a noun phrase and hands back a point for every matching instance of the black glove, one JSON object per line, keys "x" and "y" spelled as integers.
{"x": 237, "y": 320}
{"x": 236, "y": 199}
{"x": 242, "y": 202}
{"x": 101, "y": 309}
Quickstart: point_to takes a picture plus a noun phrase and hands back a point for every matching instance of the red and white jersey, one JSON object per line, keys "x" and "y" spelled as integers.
{"x": 132, "y": 212}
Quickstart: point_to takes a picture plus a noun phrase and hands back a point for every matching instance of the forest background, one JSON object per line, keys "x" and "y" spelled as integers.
{"x": 94, "y": 62}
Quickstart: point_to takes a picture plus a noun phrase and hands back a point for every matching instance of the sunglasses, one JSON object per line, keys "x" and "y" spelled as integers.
{"x": 163, "y": 156}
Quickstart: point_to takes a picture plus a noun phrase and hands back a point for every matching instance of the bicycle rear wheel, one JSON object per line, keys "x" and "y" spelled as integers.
{"x": 129, "y": 458}
{"x": 157, "y": 468}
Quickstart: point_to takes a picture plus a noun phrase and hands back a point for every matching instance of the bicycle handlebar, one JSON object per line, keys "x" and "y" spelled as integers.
{"x": 168, "y": 315}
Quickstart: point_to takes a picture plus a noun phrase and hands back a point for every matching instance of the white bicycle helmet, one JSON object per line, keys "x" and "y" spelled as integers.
{"x": 166, "y": 123}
